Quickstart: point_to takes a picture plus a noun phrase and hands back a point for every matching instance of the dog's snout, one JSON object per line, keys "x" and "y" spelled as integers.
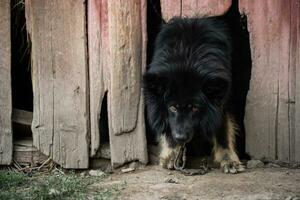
{"x": 181, "y": 138}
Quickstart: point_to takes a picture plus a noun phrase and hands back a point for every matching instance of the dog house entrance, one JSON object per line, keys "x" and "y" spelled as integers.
{"x": 241, "y": 64}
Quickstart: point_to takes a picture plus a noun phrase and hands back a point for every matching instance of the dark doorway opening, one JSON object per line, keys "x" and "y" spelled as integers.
{"x": 22, "y": 94}
{"x": 241, "y": 73}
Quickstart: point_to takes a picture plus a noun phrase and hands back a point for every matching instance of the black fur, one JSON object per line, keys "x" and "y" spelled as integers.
{"x": 191, "y": 71}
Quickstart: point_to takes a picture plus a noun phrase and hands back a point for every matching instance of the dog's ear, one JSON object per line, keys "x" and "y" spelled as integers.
{"x": 217, "y": 88}
{"x": 154, "y": 83}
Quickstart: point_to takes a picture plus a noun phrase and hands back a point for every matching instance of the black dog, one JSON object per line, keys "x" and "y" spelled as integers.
{"x": 187, "y": 89}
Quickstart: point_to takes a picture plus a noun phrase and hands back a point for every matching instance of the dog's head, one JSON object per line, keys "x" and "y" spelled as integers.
{"x": 185, "y": 102}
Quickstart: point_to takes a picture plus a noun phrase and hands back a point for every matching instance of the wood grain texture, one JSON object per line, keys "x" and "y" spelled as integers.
{"x": 59, "y": 75}
{"x": 127, "y": 46}
{"x": 193, "y": 8}
{"x": 117, "y": 45}
{"x": 26, "y": 154}
{"x": 125, "y": 42}
{"x": 170, "y": 8}
{"x": 6, "y": 145}
{"x": 269, "y": 117}
{"x": 200, "y": 8}
{"x": 98, "y": 65}
{"x": 295, "y": 74}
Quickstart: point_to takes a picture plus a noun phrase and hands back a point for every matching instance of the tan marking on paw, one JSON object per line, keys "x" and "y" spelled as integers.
{"x": 167, "y": 154}
{"x": 227, "y": 158}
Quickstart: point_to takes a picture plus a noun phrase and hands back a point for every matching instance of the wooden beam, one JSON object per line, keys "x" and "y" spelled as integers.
{"x": 196, "y": 8}
{"x": 193, "y": 8}
{"x": 6, "y": 147}
{"x": 60, "y": 80}
{"x": 170, "y": 8}
{"x": 22, "y": 117}
{"x": 26, "y": 154}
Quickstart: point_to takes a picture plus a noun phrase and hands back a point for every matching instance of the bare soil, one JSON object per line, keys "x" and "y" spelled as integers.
{"x": 153, "y": 182}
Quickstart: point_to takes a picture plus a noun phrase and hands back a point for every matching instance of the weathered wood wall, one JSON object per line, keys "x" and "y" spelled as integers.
{"x": 60, "y": 80}
{"x": 272, "y": 111}
{"x": 192, "y": 8}
{"x": 6, "y": 147}
{"x": 117, "y": 58}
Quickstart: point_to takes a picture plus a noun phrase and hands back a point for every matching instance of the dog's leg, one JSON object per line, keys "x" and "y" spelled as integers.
{"x": 167, "y": 154}
{"x": 224, "y": 149}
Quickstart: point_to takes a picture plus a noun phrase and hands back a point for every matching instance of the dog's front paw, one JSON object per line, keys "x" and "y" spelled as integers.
{"x": 168, "y": 162}
{"x": 232, "y": 167}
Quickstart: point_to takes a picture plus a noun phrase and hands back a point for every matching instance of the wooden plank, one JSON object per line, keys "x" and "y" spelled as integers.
{"x": 127, "y": 46}
{"x": 295, "y": 73}
{"x": 192, "y": 8}
{"x": 267, "y": 119}
{"x": 26, "y": 154}
{"x": 170, "y": 8}
{"x": 22, "y": 117}
{"x": 59, "y": 75}
{"x": 98, "y": 65}
{"x": 6, "y": 146}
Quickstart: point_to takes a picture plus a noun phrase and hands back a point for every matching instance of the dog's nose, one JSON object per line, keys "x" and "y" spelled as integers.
{"x": 181, "y": 138}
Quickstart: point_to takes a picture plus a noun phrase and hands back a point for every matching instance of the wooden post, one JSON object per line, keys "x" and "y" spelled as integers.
{"x": 193, "y": 8}
{"x": 60, "y": 80}
{"x": 6, "y": 145}
{"x": 117, "y": 35}
{"x": 270, "y": 110}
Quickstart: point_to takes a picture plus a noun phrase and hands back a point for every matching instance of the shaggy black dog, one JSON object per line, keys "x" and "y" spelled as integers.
{"x": 187, "y": 89}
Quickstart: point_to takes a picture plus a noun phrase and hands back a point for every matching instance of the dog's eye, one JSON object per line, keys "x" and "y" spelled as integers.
{"x": 173, "y": 109}
{"x": 195, "y": 109}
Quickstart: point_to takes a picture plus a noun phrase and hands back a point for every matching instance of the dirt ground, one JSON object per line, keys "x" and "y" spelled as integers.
{"x": 153, "y": 182}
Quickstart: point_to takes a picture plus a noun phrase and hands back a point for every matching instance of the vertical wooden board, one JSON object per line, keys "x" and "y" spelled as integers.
{"x": 98, "y": 64}
{"x": 127, "y": 44}
{"x": 295, "y": 63}
{"x": 192, "y": 8}
{"x": 267, "y": 120}
{"x": 6, "y": 146}
{"x": 170, "y": 8}
{"x": 59, "y": 73}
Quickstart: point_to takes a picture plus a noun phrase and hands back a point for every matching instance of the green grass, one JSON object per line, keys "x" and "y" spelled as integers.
{"x": 10, "y": 179}
{"x": 53, "y": 186}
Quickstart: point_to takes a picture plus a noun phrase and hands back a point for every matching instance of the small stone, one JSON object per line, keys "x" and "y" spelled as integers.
{"x": 171, "y": 180}
{"x": 126, "y": 170}
{"x": 254, "y": 164}
{"x": 53, "y": 191}
{"x": 97, "y": 173}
